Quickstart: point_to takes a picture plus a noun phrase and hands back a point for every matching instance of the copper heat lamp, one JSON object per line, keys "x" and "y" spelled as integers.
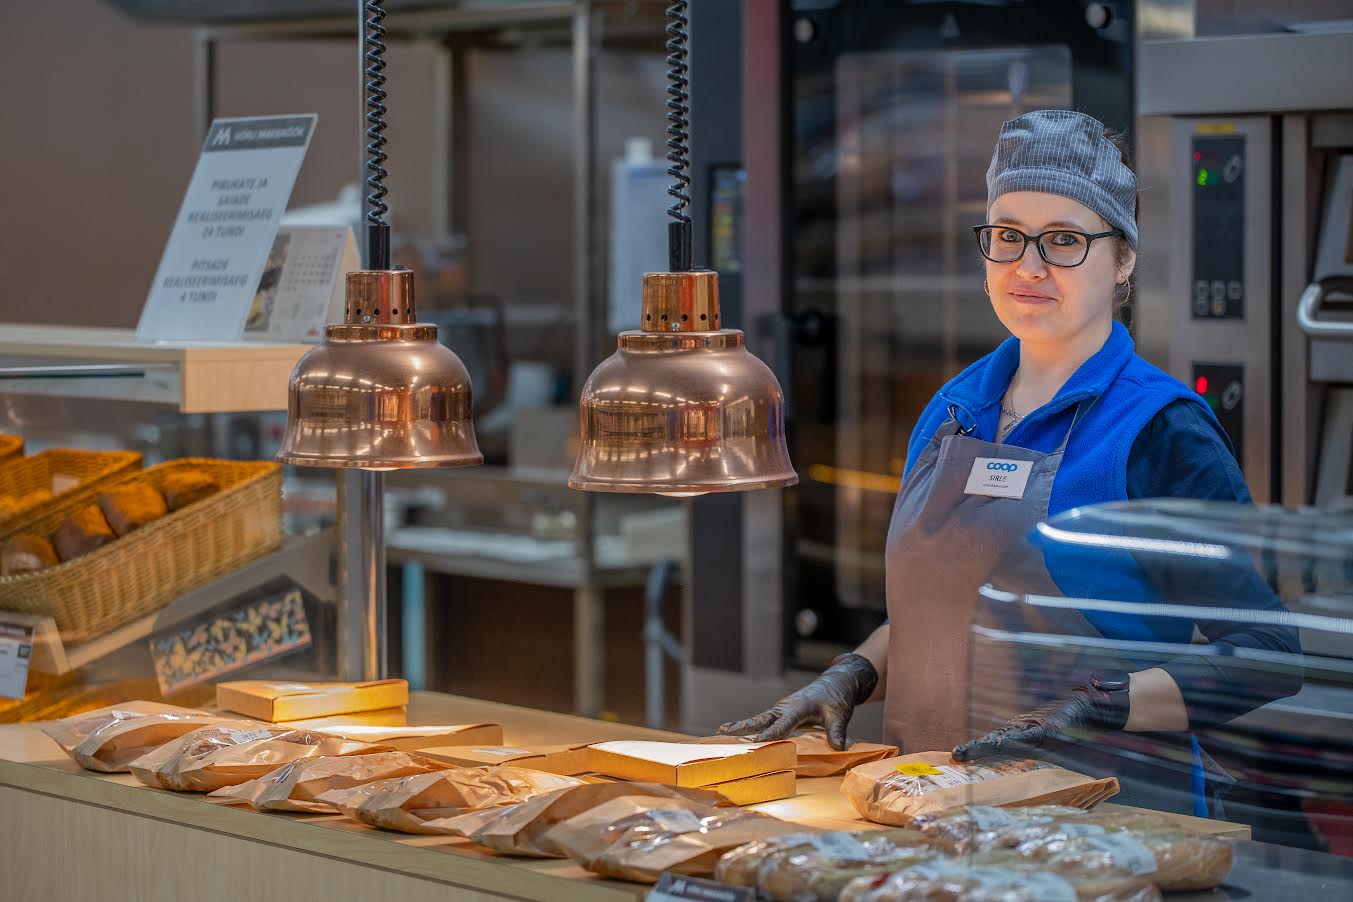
{"x": 380, "y": 393}
{"x": 681, "y": 407}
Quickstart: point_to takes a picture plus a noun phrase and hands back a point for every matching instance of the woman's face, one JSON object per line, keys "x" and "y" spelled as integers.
{"x": 1045, "y": 304}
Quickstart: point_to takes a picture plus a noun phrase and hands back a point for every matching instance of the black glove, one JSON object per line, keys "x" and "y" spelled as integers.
{"x": 1087, "y": 707}
{"x": 827, "y": 701}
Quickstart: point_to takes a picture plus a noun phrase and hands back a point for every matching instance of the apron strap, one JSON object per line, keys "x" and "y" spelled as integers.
{"x": 1082, "y": 408}
{"x": 959, "y": 428}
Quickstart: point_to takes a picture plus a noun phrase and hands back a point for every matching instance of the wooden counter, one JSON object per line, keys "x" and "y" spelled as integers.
{"x": 66, "y": 833}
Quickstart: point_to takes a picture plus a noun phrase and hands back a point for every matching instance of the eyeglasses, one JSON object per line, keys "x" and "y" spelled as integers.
{"x": 1059, "y": 247}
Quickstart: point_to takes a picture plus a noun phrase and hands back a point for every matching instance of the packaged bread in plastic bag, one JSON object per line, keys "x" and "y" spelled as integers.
{"x": 817, "y": 758}
{"x": 950, "y": 880}
{"x": 234, "y": 752}
{"x": 1175, "y": 860}
{"x": 977, "y": 828}
{"x": 523, "y": 829}
{"x": 895, "y": 791}
{"x": 423, "y": 803}
{"x": 110, "y": 738}
{"x": 297, "y": 786}
{"x": 817, "y": 869}
{"x": 629, "y": 839}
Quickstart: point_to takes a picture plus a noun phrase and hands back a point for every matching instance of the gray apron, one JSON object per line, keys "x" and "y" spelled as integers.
{"x": 943, "y": 542}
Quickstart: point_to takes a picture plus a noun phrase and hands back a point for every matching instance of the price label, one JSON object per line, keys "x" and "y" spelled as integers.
{"x": 918, "y": 769}
{"x": 16, "y": 653}
{"x": 675, "y": 888}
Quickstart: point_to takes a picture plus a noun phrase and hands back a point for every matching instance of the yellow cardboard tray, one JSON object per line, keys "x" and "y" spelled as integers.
{"x": 687, "y": 763}
{"x": 277, "y": 701}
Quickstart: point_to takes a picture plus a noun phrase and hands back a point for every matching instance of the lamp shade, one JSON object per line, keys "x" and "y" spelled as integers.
{"x": 380, "y": 392}
{"x": 681, "y": 406}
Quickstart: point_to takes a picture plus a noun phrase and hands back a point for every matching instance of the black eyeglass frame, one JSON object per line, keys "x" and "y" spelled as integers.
{"x": 1090, "y": 239}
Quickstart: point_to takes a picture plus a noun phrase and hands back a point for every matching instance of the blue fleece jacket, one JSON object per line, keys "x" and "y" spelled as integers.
{"x": 1103, "y": 456}
{"x": 1130, "y": 393}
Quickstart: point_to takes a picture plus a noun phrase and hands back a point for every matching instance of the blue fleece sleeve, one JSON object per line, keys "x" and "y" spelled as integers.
{"x": 1183, "y": 453}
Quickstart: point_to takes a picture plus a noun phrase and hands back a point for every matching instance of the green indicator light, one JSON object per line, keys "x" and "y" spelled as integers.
{"x": 1202, "y": 177}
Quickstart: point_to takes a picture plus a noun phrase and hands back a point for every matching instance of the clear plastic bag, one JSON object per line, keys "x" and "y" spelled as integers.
{"x": 895, "y": 791}
{"x": 819, "y": 872}
{"x": 948, "y": 880}
{"x": 110, "y": 738}
{"x": 1175, "y": 860}
{"x": 630, "y": 838}
{"x": 234, "y": 752}
{"x": 523, "y": 829}
{"x": 297, "y": 786}
{"x": 427, "y": 803}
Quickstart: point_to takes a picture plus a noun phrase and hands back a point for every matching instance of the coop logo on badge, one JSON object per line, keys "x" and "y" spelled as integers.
{"x": 1002, "y": 466}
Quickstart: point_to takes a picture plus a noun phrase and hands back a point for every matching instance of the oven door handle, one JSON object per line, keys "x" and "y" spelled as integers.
{"x": 1308, "y": 309}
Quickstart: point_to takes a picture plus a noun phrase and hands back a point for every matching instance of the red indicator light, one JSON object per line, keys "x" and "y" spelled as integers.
{"x": 1197, "y": 156}
{"x": 1200, "y": 385}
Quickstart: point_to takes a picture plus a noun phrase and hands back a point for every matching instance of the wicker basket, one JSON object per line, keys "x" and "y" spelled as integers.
{"x": 11, "y": 448}
{"x": 91, "y": 470}
{"x": 145, "y": 570}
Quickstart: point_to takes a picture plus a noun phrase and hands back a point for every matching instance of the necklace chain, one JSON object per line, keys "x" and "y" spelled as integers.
{"x": 1012, "y": 414}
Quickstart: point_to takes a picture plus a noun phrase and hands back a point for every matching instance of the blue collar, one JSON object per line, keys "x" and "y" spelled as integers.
{"x": 982, "y": 385}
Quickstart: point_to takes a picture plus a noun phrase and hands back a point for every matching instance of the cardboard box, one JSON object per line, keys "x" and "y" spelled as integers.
{"x": 755, "y": 790}
{"x": 565, "y": 760}
{"x": 687, "y": 763}
{"x": 416, "y": 739}
{"x": 277, "y": 701}
{"x": 385, "y": 717}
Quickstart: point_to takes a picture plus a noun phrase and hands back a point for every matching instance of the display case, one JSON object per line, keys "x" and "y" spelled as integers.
{"x": 1248, "y": 610}
{"x": 151, "y": 545}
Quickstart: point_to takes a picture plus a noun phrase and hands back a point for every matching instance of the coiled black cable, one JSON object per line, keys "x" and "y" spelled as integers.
{"x": 378, "y": 230}
{"x": 678, "y": 137}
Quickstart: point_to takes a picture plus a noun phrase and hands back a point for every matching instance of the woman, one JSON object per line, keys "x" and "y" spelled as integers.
{"x": 1063, "y": 414}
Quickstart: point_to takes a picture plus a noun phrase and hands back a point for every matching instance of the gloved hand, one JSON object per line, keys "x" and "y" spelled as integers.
{"x": 1087, "y": 707}
{"x": 827, "y": 701}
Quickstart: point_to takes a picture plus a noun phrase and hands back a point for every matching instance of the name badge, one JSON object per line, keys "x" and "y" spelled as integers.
{"x": 998, "y": 477}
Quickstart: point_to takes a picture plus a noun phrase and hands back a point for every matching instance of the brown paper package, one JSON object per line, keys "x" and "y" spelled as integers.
{"x": 885, "y": 795}
{"x": 234, "y": 752}
{"x": 110, "y": 738}
{"x": 421, "y": 803}
{"x": 632, "y": 838}
{"x": 297, "y": 786}
{"x": 524, "y": 829}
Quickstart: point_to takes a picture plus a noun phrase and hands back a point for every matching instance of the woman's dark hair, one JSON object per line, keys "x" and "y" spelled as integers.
{"x": 1123, "y": 250}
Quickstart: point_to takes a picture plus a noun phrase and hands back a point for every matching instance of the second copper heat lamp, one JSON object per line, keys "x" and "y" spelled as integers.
{"x": 681, "y": 407}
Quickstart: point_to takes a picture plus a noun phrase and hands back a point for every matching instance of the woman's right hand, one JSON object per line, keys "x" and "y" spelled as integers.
{"x": 827, "y": 701}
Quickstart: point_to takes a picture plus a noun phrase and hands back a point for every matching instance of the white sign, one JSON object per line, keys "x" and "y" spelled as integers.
{"x": 211, "y": 266}
{"x": 16, "y": 652}
{"x": 998, "y": 477}
{"x": 301, "y": 288}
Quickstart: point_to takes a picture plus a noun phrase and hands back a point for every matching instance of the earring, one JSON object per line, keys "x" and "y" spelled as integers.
{"x": 1127, "y": 297}
{"x": 985, "y": 289}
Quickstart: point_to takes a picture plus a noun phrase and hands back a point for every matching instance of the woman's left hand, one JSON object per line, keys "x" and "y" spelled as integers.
{"x": 1087, "y": 707}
